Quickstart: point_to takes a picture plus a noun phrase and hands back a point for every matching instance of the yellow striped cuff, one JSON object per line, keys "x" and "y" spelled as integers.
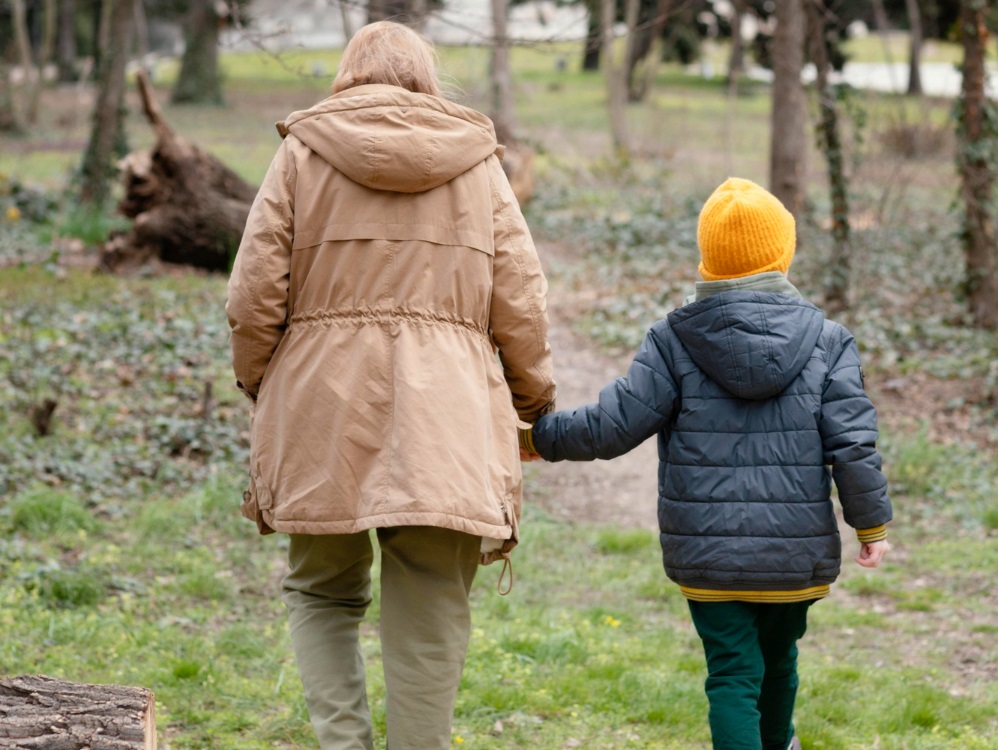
{"x": 527, "y": 440}
{"x": 773, "y": 597}
{"x": 876, "y": 534}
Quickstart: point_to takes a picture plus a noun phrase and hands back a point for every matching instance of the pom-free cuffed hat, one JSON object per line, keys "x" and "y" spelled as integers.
{"x": 744, "y": 230}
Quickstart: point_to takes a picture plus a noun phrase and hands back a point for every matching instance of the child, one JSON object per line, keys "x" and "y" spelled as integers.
{"x": 753, "y": 395}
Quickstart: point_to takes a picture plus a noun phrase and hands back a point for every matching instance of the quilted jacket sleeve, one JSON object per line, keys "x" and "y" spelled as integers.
{"x": 518, "y": 315}
{"x": 629, "y": 411}
{"x": 257, "y": 300}
{"x": 848, "y": 429}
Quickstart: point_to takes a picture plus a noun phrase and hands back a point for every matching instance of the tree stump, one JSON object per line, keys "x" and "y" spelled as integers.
{"x": 40, "y": 713}
{"x": 187, "y": 206}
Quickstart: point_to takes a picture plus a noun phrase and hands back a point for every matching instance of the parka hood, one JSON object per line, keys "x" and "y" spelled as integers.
{"x": 752, "y": 344}
{"x": 388, "y": 138}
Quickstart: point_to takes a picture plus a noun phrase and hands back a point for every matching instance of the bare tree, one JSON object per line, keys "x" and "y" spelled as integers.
{"x": 345, "y": 20}
{"x": 107, "y": 132}
{"x": 915, "y": 56}
{"x": 649, "y": 30}
{"x": 43, "y": 57}
{"x": 976, "y": 156}
{"x": 594, "y": 38}
{"x": 736, "y": 61}
{"x": 830, "y": 137}
{"x": 788, "y": 144}
{"x": 200, "y": 80}
{"x": 410, "y": 12}
{"x": 66, "y": 41}
{"x": 615, "y": 74}
{"x": 503, "y": 114}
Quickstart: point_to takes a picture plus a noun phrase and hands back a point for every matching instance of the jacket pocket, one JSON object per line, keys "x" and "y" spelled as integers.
{"x": 256, "y": 499}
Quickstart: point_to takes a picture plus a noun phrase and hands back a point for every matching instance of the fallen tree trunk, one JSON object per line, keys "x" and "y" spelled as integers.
{"x": 39, "y": 712}
{"x": 187, "y": 206}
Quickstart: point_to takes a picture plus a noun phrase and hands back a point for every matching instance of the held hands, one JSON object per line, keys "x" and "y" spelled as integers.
{"x": 527, "y": 450}
{"x": 872, "y": 553}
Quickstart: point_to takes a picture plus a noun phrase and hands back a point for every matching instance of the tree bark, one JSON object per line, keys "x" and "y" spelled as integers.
{"x": 837, "y": 279}
{"x": 503, "y": 113}
{"x": 187, "y": 206}
{"x": 410, "y": 12}
{"x": 616, "y": 84}
{"x": 200, "y": 81}
{"x": 43, "y": 58}
{"x": 39, "y": 712}
{"x": 594, "y": 37}
{"x": 977, "y": 173}
{"x": 788, "y": 145}
{"x": 66, "y": 41}
{"x": 345, "y": 20}
{"x": 736, "y": 61}
{"x": 22, "y": 40}
{"x": 9, "y": 120}
{"x": 107, "y": 133}
{"x": 915, "y": 56}
{"x": 663, "y": 8}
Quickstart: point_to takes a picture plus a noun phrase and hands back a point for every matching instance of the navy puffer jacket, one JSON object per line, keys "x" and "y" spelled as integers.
{"x": 753, "y": 395}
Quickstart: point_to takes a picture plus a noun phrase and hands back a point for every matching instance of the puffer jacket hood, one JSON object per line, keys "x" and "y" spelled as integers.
{"x": 752, "y": 344}
{"x": 388, "y": 138}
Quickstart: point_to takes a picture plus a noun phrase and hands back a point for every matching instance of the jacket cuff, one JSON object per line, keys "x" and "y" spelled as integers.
{"x": 527, "y": 440}
{"x": 876, "y": 534}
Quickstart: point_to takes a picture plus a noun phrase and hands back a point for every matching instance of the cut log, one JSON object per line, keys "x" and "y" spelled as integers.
{"x": 38, "y": 712}
{"x": 187, "y": 206}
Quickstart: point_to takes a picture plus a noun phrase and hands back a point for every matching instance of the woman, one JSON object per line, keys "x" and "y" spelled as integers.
{"x": 384, "y": 266}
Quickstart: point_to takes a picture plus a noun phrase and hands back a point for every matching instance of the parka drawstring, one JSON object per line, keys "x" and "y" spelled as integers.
{"x": 506, "y": 564}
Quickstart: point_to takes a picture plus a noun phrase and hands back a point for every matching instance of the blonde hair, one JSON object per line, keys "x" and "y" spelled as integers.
{"x": 390, "y": 53}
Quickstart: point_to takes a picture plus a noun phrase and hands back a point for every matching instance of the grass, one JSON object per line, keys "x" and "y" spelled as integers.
{"x": 123, "y": 558}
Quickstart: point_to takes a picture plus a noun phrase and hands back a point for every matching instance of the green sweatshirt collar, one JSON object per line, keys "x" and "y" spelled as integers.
{"x": 770, "y": 281}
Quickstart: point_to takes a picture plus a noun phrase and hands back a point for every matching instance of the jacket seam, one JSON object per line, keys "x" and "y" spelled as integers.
{"x": 538, "y": 338}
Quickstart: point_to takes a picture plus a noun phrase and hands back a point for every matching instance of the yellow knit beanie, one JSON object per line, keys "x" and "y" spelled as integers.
{"x": 744, "y": 229}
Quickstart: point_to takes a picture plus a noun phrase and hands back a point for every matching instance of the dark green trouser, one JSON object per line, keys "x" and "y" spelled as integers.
{"x": 751, "y": 651}
{"x": 426, "y": 574}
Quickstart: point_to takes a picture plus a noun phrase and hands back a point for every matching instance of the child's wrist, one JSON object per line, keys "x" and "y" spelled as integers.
{"x": 527, "y": 439}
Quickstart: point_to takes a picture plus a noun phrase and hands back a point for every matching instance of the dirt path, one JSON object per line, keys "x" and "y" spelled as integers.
{"x": 622, "y": 491}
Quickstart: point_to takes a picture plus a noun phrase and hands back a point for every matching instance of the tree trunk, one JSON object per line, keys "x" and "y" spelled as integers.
{"x": 632, "y": 12}
{"x": 200, "y": 81}
{"x": 410, "y": 12}
{"x": 830, "y": 137}
{"x": 31, "y": 79}
{"x": 616, "y": 84}
{"x": 345, "y": 20}
{"x": 788, "y": 145}
{"x": 977, "y": 173}
{"x": 39, "y": 712}
{"x": 44, "y": 56}
{"x": 187, "y": 206}
{"x": 644, "y": 40}
{"x": 503, "y": 113}
{"x": 915, "y": 57}
{"x": 594, "y": 36}
{"x": 66, "y": 41}
{"x": 107, "y": 136}
{"x": 736, "y": 61}
{"x": 9, "y": 121}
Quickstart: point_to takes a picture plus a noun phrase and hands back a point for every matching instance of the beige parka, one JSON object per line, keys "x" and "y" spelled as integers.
{"x": 388, "y": 317}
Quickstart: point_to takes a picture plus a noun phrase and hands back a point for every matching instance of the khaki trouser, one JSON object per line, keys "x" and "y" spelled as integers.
{"x": 426, "y": 574}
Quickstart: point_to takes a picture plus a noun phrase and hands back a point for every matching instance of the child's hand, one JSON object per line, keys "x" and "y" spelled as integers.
{"x": 871, "y": 553}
